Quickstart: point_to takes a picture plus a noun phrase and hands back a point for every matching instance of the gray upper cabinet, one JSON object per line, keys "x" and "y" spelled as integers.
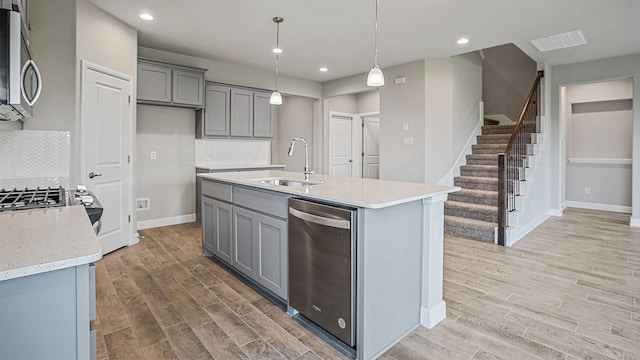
{"x": 217, "y": 114}
{"x": 167, "y": 84}
{"x": 241, "y": 112}
{"x": 231, "y": 111}
{"x": 262, "y": 115}
{"x": 154, "y": 82}
{"x": 188, "y": 87}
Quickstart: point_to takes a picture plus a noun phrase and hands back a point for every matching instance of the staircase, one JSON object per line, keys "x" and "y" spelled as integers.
{"x": 494, "y": 179}
{"x": 473, "y": 211}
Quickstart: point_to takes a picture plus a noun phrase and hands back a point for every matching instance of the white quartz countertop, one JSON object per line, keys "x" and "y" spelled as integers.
{"x": 366, "y": 193}
{"x": 232, "y": 167}
{"x": 41, "y": 240}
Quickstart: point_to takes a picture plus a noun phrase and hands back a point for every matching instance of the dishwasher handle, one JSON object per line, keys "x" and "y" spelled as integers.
{"x": 320, "y": 220}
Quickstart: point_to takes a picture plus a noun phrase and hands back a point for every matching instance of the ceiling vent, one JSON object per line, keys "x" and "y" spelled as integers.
{"x": 559, "y": 41}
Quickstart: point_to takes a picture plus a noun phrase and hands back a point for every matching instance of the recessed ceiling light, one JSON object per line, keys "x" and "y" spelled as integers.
{"x": 323, "y": 69}
{"x": 146, "y": 16}
{"x": 277, "y": 51}
{"x": 462, "y": 41}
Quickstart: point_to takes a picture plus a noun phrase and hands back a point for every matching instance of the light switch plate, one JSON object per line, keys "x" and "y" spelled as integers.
{"x": 408, "y": 140}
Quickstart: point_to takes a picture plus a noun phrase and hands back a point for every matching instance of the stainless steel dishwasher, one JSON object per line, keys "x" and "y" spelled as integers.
{"x": 322, "y": 266}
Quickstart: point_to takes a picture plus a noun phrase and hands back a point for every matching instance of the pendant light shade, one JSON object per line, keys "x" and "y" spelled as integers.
{"x": 276, "y": 97}
{"x": 375, "y": 77}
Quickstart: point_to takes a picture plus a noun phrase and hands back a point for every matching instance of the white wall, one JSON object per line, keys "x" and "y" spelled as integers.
{"x": 507, "y": 76}
{"x": 294, "y": 118}
{"x": 403, "y": 104}
{"x": 63, "y": 33}
{"x": 594, "y": 71}
{"x": 597, "y": 130}
{"x": 439, "y": 118}
{"x": 169, "y": 180}
{"x": 368, "y": 102}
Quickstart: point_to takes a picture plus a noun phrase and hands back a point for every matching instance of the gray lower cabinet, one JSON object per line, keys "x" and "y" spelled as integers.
{"x": 217, "y": 228}
{"x": 255, "y": 241}
{"x": 48, "y": 315}
{"x": 260, "y": 244}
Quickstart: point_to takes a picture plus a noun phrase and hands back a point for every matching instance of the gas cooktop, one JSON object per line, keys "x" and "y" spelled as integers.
{"x": 23, "y": 199}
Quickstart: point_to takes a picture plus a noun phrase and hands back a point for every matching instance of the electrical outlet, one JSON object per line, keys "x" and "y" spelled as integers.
{"x": 143, "y": 204}
{"x": 408, "y": 140}
{"x": 587, "y": 191}
{"x": 153, "y": 155}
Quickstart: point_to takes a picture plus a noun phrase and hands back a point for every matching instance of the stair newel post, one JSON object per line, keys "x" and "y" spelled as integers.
{"x": 502, "y": 199}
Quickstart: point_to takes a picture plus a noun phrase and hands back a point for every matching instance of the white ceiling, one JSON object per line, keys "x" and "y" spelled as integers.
{"x": 339, "y": 33}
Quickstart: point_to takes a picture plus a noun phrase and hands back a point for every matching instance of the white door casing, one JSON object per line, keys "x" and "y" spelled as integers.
{"x": 371, "y": 147}
{"x": 340, "y": 145}
{"x": 106, "y": 142}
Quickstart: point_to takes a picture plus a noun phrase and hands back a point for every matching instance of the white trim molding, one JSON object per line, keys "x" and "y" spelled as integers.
{"x": 173, "y": 220}
{"x": 596, "y": 206}
{"x": 598, "y": 161}
{"x": 634, "y": 222}
{"x": 431, "y": 317}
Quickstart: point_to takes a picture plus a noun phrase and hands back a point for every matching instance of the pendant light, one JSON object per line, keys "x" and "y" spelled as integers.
{"x": 375, "y": 77}
{"x": 276, "y": 97}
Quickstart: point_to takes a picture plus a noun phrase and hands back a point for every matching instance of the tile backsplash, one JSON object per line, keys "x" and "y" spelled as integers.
{"x": 233, "y": 152}
{"x": 31, "y": 158}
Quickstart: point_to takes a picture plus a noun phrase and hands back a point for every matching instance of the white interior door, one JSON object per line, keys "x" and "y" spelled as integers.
{"x": 371, "y": 147}
{"x": 106, "y": 121}
{"x": 340, "y": 145}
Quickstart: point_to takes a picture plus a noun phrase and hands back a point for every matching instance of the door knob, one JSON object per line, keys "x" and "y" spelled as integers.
{"x": 92, "y": 175}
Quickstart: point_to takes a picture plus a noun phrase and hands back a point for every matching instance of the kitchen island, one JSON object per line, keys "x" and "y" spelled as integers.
{"x": 399, "y": 243}
{"x": 47, "y": 285}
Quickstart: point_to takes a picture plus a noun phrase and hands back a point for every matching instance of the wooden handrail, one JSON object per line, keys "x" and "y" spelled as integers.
{"x": 507, "y": 149}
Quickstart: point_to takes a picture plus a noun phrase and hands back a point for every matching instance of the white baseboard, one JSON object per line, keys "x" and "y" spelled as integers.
{"x": 634, "y": 222}
{"x": 431, "y": 317}
{"x": 595, "y": 206}
{"x": 174, "y": 220}
{"x": 555, "y": 212}
{"x": 135, "y": 238}
{"x": 522, "y": 231}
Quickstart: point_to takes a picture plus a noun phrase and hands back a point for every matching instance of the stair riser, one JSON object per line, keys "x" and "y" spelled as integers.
{"x": 501, "y": 139}
{"x": 471, "y": 214}
{"x": 493, "y": 149}
{"x": 480, "y": 200}
{"x": 471, "y": 161}
{"x": 486, "y": 130}
{"x": 472, "y": 233}
{"x": 476, "y": 185}
{"x": 478, "y": 172}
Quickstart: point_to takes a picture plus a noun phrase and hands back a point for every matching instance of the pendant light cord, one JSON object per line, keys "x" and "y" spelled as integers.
{"x": 375, "y": 61}
{"x": 278, "y": 47}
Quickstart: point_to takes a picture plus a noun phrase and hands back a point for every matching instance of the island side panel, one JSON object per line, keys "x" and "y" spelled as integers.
{"x": 389, "y": 276}
{"x": 434, "y": 308}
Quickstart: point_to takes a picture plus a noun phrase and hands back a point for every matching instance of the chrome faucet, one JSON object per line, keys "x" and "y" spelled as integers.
{"x": 307, "y": 172}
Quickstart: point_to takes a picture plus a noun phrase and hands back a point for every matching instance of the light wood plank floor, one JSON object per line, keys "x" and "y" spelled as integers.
{"x": 569, "y": 290}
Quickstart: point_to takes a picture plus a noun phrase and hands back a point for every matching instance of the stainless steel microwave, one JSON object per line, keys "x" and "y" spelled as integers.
{"x": 20, "y": 80}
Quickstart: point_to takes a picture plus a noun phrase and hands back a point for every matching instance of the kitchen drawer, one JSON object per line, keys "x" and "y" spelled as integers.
{"x": 267, "y": 202}
{"x": 217, "y": 191}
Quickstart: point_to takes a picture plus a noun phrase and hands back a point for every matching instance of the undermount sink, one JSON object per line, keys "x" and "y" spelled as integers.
{"x": 286, "y": 182}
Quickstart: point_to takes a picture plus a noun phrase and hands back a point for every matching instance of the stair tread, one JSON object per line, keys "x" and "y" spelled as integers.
{"x": 477, "y": 193}
{"x": 485, "y": 167}
{"x": 477, "y": 179}
{"x": 470, "y": 222}
{"x": 471, "y": 206}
